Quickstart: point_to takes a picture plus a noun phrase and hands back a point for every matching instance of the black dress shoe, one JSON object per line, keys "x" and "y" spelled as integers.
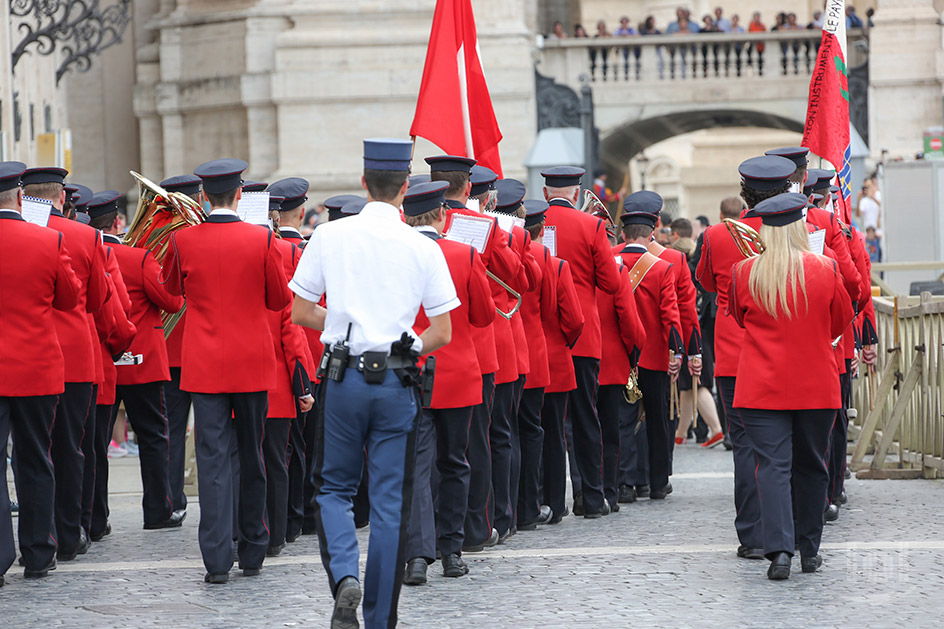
{"x": 543, "y": 518}
{"x": 477, "y": 548}
{"x": 502, "y": 538}
{"x": 346, "y": 602}
{"x": 843, "y": 498}
{"x": 779, "y": 567}
{"x": 606, "y": 508}
{"x": 810, "y": 564}
{"x": 273, "y": 551}
{"x": 216, "y": 579}
{"x": 453, "y": 566}
{"x": 726, "y": 442}
{"x": 614, "y": 506}
{"x": 175, "y": 520}
{"x": 559, "y": 516}
{"x": 832, "y": 513}
{"x": 361, "y": 524}
{"x": 251, "y": 572}
{"x": 660, "y": 494}
{"x": 97, "y": 537}
{"x": 309, "y": 530}
{"x": 578, "y": 504}
{"x": 39, "y": 574}
{"x": 847, "y": 473}
{"x": 415, "y": 571}
{"x": 746, "y": 552}
{"x": 80, "y": 549}
{"x": 642, "y": 491}
{"x": 627, "y": 494}
{"x": 292, "y": 537}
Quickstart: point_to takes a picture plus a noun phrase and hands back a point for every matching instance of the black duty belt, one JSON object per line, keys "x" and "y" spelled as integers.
{"x": 392, "y": 362}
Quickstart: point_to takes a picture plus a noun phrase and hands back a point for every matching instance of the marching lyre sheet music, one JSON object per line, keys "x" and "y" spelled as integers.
{"x": 36, "y": 211}
{"x": 470, "y": 230}
{"x": 254, "y": 208}
{"x": 550, "y": 239}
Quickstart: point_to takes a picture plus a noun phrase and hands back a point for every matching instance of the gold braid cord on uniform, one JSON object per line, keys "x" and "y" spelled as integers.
{"x": 158, "y": 215}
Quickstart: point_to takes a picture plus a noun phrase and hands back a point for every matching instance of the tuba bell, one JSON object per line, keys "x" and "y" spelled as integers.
{"x": 158, "y": 215}
{"x": 593, "y": 205}
{"x": 631, "y": 391}
{"x": 746, "y": 238}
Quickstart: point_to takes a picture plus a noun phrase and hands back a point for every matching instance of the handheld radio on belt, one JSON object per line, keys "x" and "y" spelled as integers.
{"x": 338, "y": 359}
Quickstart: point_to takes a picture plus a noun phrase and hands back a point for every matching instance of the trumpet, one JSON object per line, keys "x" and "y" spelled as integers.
{"x": 746, "y": 238}
{"x": 631, "y": 391}
{"x": 514, "y": 295}
{"x": 159, "y": 214}
{"x": 593, "y": 205}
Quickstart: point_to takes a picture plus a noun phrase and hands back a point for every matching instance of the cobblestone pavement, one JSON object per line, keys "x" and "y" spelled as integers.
{"x": 653, "y": 564}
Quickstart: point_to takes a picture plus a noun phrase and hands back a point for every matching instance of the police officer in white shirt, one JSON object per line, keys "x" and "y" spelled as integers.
{"x": 376, "y": 272}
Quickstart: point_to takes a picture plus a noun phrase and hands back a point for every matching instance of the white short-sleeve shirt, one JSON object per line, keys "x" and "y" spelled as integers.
{"x": 376, "y": 272}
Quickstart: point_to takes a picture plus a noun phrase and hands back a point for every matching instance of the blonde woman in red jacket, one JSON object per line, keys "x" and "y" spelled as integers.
{"x": 791, "y": 304}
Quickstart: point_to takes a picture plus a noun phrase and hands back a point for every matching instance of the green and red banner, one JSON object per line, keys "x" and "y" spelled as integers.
{"x": 827, "y": 114}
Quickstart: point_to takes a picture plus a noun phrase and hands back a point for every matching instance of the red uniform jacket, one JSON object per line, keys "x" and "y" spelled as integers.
{"x": 624, "y": 335}
{"x": 500, "y": 260}
{"x": 36, "y": 278}
{"x": 114, "y": 328}
{"x": 149, "y": 297}
{"x": 687, "y": 296}
{"x": 175, "y": 341}
{"x": 658, "y": 309}
{"x": 74, "y": 327}
{"x": 291, "y": 235}
{"x": 582, "y": 241}
{"x": 521, "y": 243}
{"x": 719, "y": 254}
{"x": 866, "y": 319}
{"x": 563, "y": 329}
{"x": 231, "y": 274}
{"x": 293, "y": 362}
{"x": 538, "y": 306}
{"x": 458, "y": 380}
{"x": 836, "y": 240}
{"x": 788, "y": 363}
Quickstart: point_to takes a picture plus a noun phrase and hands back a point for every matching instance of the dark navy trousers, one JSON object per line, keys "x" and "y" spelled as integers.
{"x": 75, "y": 404}
{"x": 478, "y": 519}
{"x": 790, "y": 448}
{"x": 587, "y": 441}
{"x": 30, "y": 419}
{"x": 380, "y": 418}
{"x": 634, "y": 448}
{"x": 178, "y": 414}
{"x": 225, "y": 422}
{"x": 554, "y": 452}
{"x": 746, "y": 502}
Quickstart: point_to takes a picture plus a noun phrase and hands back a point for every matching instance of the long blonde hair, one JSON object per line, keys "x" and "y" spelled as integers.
{"x": 780, "y": 268}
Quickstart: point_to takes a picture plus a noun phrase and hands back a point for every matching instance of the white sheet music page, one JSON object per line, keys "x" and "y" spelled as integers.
{"x": 254, "y": 208}
{"x": 506, "y": 221}
{"x": 36, "y": 211}
{"x": 818, "y": 241}
{"x": 470, "y": 230}
{"x": 550, "y": 239}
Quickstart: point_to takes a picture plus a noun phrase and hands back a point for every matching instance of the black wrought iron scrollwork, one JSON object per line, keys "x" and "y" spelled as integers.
{"x": 77, "y": 28}
{"x": 558, "y": 105}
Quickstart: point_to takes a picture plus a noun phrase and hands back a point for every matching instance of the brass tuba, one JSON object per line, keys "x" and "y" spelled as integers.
{"x": 511, "y": 292}
{"x": 593, "y": 205}
{"x": 746, "y": 238}
{"x": 631, "y": 391}
{"x": 158, "y": 215}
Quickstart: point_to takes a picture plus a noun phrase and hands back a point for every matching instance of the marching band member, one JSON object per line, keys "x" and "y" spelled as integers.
{"x": 791, "y": 304}
{"x": 376, "y": 273}
{"x": 178, "y": 402}
{"x": 582, "y": 241}
{"x": 36, "y": 280}
{"x": 653, "y": 284}
{"x": 561, "y": 332}
{"x": 538, "y": 306}
{"x": 231, "y": 274}
{"x": 761, "y": 178}
{"x": 76, "y": 332}
{"x": 443, "y": 431}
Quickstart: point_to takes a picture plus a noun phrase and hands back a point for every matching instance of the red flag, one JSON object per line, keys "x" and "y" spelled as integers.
{"x": 827, "y": 115}
{"x": 454, "y": 110}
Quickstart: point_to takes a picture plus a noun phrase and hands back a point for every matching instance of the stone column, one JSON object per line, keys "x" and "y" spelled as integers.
{"x": 906, "y": 75}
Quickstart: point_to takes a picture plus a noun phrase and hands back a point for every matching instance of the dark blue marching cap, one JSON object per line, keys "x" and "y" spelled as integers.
{"x": 81, "y": 197}
{"x": 510, "y": 194}
{"x": 482, "y": 179}
{"x": 10, "y": 174}
{"x": 782, "y": 209}
{"x": 49, "y": 174}
{"x": 275, "y": 203}
{"x": 562, "y": 176}
{"x": 641, "y": 208}
{"x": 387, "y": 154}
{"x": 293, "y": 189}
{"x": 450, "y": 163}
{"x": 184, "y": 184}
{"x": 254, "y": 186}
{"x": 796, "y": 154}
{"x": 424, "y": 197}
{"x": 354, "y": 206}
{"x": 221, "y": 175}
{"x": 767, "y": 172}
{"x": 534, "y": 212}
{"x": 103, "y": 203}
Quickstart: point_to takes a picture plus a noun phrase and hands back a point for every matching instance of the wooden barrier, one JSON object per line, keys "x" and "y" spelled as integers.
{"x": 905, "y": 419}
